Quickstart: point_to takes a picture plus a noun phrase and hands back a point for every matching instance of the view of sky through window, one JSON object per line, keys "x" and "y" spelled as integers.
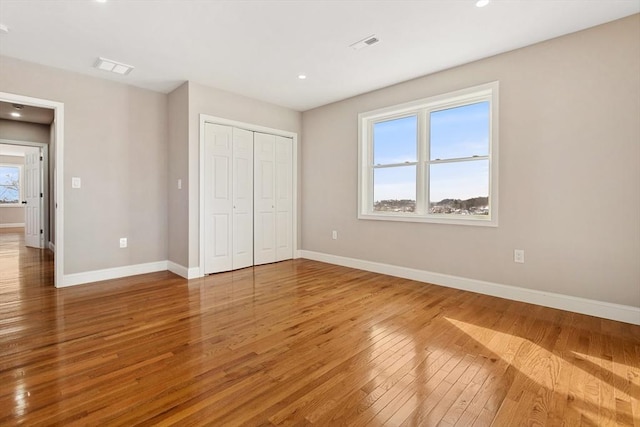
{"x": 460, "y": 132}
{"x": 397, "y": 183}
{"x": 455, "y": 133}
{"x": 395, "y": 141}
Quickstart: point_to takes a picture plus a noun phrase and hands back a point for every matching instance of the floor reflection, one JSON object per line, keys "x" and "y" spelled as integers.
{"x": 301, "y": 342}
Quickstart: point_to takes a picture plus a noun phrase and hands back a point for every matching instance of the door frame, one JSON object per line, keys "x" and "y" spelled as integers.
{"x": 44, "y": 185}
{"x": 58, "y": 176}
{"x": 205, "y": 118}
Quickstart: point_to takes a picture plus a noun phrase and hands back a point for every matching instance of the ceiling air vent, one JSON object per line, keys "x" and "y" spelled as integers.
{"x": 113, "y": 66}
{"x": 368, "y": 41}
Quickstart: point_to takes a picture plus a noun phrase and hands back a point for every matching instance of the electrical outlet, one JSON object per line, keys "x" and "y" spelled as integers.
{"x": 334, "y": 235}
{"x": 518, "y": 256}
{"x": 123, "y": 242}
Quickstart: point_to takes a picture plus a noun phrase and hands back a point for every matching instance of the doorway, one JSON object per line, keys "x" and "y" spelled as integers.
{"x": 53, "y": 211}
{"x": 24, "y": 190}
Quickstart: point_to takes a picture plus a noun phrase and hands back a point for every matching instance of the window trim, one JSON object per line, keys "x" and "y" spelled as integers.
{"x": 18, "y": 204}
{"x": 422, "y": 107}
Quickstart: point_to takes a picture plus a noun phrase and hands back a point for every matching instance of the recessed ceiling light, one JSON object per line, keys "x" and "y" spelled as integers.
{"x": 482, "y": 3}
{"x": 15, "y": 114}
{"x": 101, "y": 1}
{"x": 114, "y": 66}
{"x": 302, "y": 76}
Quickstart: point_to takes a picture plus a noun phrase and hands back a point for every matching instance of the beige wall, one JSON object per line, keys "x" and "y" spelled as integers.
{"x": 569, "y": 172}
{"x": 178, "y": 214}
{"x": 116, "y": 142}
{"x": 215, "y": 102}
{"x": 12, "y": 214}
{"x": 21, "y": 131}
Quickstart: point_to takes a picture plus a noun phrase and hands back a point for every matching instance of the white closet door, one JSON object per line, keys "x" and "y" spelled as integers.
{"x": 284, "y": 198}
{"x": 242, "y": 198}
{"x": 218, "y": 152}
{"x": 264, "y": 199}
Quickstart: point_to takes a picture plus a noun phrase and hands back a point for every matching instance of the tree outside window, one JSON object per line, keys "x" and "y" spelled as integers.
{"x": 9, "y": 185}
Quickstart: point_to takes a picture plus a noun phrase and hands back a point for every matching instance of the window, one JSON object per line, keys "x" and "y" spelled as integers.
{"x": 432, "y": 160}
{"x": 9, "y": 185}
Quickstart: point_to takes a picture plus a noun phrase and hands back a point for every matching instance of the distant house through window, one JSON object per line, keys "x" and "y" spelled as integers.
{"x": 9, "y": 184}
{"x": 433, "y": 160}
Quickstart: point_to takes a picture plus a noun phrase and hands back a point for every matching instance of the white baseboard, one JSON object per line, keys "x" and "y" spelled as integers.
{"x": 52, "y": 247}
{"x": 112, "y": 273}
{"x": 182, "y": 271}
{"x": 606, "y": 310}
{"x": 12, "y": 225}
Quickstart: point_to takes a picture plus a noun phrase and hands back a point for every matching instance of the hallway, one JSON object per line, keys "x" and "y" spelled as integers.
{"x": 22, "y": 268}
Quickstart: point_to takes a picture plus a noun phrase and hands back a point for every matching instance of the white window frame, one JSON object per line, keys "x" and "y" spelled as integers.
{"x": 20, "y": 190}
{"x": 422, "y": 108}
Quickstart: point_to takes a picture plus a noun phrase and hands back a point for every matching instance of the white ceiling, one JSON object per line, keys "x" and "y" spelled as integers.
{"x": 257, "y": 48}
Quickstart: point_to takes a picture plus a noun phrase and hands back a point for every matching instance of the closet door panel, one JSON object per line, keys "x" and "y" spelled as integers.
{"x": 264, "y": 199}
{"x": 242, "y": 198}
{"x": 217, "y": 198}
{"x": 284, "y": 198}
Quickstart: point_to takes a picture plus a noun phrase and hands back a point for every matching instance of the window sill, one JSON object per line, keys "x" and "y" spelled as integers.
{"x": 17, "y": 205}
{"x": 473, "y": 221}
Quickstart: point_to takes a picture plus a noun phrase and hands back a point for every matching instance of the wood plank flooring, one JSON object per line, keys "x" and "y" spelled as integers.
{"x": 299, "y": 343}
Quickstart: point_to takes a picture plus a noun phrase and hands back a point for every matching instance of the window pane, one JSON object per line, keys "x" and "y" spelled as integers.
{"x": 459, "y": 188}
{"x": 9, "y": 184}
{"x": 460, "y": 132}
{"x": 394, "y": 141}
{"x": 394, "y": 189}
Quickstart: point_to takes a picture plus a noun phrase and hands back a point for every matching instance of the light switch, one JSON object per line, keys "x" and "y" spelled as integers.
{"x": 75, "y": 182}
{"x": 179, "y": 184}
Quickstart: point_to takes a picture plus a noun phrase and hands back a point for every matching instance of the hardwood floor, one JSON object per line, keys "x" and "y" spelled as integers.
{"x": 299, "y": 343}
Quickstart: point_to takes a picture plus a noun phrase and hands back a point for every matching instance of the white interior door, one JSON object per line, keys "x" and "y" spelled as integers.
{"x": 264, "y": 199}
{"x": 218, "y": 210}
{"x": 242, "y": 222}
{"x": 284, "y": 198}
{"x": 32, "y": 195}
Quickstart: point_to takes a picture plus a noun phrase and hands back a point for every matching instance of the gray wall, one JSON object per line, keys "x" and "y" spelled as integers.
{"x": 116, "y": 142}
{"x": 178, "y": 214}
{"x": 22, "y": 131}
{"x": 569, "y": 172}
{"x": 11, "y": 214}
